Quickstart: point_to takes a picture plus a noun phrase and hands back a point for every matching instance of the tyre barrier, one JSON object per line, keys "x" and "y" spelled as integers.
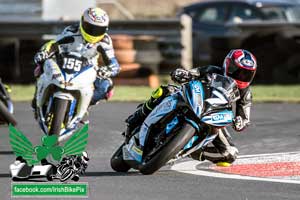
{"x": 139, "y": 58}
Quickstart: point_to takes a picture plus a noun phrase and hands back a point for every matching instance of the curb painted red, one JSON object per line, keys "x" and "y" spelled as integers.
{"x": 275, "y": 169}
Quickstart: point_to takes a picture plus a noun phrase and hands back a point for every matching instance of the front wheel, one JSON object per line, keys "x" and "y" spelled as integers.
{"x": 58, "y": 115}
{"x": 117, "y": 162}
{"x": 167, "y": 152}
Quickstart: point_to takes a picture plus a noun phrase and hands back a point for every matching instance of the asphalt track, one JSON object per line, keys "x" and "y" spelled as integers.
{"x": 275, "y": 129}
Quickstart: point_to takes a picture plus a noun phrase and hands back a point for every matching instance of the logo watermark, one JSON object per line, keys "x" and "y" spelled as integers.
{"x": 33, "y": 161}
{"x": 49, "y": 190}
{"x": 21, "y": 145}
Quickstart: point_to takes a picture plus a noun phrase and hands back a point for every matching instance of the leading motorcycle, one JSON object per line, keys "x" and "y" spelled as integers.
{"x": 181, "y": 124}
{"x": 64, "y": 92}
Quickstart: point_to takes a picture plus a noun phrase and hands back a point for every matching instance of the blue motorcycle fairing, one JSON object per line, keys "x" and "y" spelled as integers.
{"x": 219, "y": 119}
{"x": 171, "y": 125}
{"x": 193, "y": 92}
{"x": 134, "y": 152}
{"x": 165, "y": 107}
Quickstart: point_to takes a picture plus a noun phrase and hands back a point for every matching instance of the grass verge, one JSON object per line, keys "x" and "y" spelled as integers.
{"x": 261, "y": 93}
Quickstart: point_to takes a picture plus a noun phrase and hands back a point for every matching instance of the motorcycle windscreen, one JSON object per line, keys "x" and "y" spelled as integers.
{"x": 194, "y": 94}
{"x": 219, "y": 119}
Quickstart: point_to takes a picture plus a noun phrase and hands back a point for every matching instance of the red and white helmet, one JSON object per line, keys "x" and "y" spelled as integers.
{"x": 240, "y": 65}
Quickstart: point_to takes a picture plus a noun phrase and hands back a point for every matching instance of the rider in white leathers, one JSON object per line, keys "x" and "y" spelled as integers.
{"x": 90, "y": 40}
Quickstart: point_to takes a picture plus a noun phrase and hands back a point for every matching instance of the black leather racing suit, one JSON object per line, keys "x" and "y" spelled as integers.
{"x": 222, "y": 149}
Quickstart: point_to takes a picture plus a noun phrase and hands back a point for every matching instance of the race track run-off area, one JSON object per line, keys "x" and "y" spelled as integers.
{"x": 277, "y": 167}
{"x": 267, "y": 167}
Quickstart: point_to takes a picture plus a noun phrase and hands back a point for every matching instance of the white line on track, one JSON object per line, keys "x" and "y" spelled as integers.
{"x": 189, "y": 167}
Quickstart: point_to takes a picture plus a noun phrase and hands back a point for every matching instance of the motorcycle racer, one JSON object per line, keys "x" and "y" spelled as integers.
{"x": 240, "y": 65}
{"x": 90, "y": 40}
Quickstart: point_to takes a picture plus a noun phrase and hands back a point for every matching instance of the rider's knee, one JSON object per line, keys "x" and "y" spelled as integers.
{"x": 102, "y": 87}
{"x": 103, "y": 84}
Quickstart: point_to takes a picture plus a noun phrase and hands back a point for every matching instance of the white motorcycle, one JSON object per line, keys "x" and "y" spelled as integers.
{"x": 64, "y": 92}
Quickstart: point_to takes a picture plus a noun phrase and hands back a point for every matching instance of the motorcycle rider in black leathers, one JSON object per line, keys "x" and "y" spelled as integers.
{"x": 240, "y": 65}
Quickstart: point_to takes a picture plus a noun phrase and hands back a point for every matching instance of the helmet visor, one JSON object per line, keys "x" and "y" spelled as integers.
{"x": 240, "y": 73}
{"x": 93, "y": 30}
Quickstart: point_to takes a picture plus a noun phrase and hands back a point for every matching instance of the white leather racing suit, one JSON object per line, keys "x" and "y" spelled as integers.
{"x": 74, "y": 42}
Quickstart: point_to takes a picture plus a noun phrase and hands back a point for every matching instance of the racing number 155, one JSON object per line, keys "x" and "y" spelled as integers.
{"x": 72, "y": 64}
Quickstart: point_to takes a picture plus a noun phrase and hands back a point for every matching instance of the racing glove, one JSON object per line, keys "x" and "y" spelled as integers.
{"x": 40, "y": 57}
{"x": 239, "y": 124}
{"x": 104, "y": 72}
{"x": 180, "y": 75}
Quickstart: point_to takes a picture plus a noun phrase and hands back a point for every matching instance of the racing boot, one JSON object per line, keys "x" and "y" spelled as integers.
{"x": 221, "y": 151}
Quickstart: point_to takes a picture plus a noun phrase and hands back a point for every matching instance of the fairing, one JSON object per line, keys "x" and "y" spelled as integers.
{"x": 66, "y": 85}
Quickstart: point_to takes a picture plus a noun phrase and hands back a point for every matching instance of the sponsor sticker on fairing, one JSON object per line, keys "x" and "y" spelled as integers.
{"x": 221, "y": 117}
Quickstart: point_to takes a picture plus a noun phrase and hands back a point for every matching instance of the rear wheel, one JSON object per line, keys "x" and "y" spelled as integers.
{"x": 168, "y": 151}
{"x": 59, "y": 112}
{"x": 6, "y": 115}
{"x": 117, "y": 163}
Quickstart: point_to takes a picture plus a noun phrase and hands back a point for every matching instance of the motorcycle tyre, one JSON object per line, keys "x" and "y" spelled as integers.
{"x": 169, "y": 151}
{"x": 117, "y": 163}
{"x": 59, "y": 113}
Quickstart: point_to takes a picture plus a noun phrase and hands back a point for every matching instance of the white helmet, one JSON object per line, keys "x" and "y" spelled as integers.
{"x": 94, "y": 24}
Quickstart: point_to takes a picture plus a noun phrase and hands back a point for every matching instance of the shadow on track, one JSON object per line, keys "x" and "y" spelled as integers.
{"x": 113, "y": 174}
{"x": 6, "y": 153}
{"x": 5, "y": 175}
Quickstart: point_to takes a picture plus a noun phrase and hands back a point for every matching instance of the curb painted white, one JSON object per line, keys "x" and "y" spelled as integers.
{"x": 189, "y": 167}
